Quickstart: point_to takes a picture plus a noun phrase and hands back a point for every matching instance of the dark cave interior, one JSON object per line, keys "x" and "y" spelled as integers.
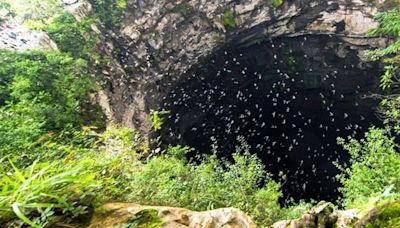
{"x": 290, "y": 98}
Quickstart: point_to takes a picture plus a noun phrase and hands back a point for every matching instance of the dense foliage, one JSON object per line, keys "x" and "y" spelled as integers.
{"x": 44, "y": 104}
{"x": 41, "y": 92}
{"x": 375, "y": 168}
{"x": 72, "y": 36}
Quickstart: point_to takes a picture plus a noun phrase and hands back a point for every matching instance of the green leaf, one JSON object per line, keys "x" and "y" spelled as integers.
{"x": 18, "y": 212}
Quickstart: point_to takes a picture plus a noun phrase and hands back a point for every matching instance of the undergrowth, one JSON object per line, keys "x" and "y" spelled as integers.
{"x": 44, "y": 193}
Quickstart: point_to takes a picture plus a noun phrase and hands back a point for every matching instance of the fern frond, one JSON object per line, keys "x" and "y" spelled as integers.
{"x": 389, "y": 24}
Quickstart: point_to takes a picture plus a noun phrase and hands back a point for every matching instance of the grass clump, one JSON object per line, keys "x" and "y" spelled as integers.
{"x": 42, "y": 193}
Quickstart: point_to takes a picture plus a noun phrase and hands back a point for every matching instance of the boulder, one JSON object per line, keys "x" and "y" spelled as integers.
{"x": 134, "y": 215}
{"x": 323, "y": 215}
{"x": 386, "y": 215}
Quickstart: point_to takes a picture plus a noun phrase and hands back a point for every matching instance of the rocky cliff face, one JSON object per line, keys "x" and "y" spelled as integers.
{"x": 160, "y": 41}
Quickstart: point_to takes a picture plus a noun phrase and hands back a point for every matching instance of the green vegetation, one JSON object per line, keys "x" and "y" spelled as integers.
{"x": 169, "y": 180}
{"x": 43, "y": 105}
{"x": 71, "y": 36}
{"x": 110, "y": 12}
{"x": 146, "y": 218}
{"x": 114, "y": 169}
{"x": 275, "y": 3}
{"x": 389, "y": 26}
{"x": 42, "y": 192}
{"x": 229, "y": 18}
{"x": 42, "y": 93}
{"x": 375, "y": 167}
{"x": 157, "y": 118}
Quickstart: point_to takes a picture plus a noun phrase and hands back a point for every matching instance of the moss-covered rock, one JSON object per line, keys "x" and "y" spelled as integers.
{"x": 147, "y": 218}
{"x": 387, "y": 215}
{"x": 127, "y": 215}
{"x": 323, "y": 215}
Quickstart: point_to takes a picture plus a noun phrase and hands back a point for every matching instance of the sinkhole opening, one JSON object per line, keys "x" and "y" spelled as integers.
{"x": 289, "y": 97}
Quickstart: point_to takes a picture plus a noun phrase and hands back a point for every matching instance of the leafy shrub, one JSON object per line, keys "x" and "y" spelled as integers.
{"x": 54, "y": 85}
{"x": 18, "y": 133}
{"x": 71, "y": 36}
{"x": 375, "y": 165}
{"x": 120, "y": 139}
{"x": 43, "y": 92}
{"x": 389, "y": 26}
{"x": 169, "y": 179}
